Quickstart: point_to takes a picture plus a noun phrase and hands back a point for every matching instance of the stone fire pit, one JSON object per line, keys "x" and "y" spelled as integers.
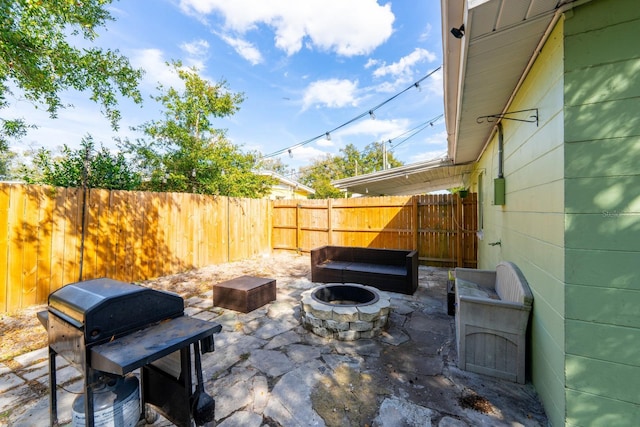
{"x": 345, "y": 311}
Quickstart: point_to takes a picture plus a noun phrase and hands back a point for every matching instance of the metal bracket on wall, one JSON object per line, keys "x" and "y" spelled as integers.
{"x": 533, "y": 118}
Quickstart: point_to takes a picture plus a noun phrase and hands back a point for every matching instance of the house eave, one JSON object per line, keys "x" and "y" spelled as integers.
{"x": 484, "y": 69}
{"x": 415, "y": 178}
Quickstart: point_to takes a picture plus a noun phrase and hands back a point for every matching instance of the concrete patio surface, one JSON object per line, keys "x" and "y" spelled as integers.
{"x": 269, "y": 371}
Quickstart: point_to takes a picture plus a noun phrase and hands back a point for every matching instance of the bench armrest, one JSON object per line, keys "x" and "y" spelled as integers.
{"x": 493, "y": 302}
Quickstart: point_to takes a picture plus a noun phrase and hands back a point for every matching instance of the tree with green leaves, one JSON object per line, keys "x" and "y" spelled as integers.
{"x": 275, "y": 164}
{"x": 372, "y": 158}
{"x": 351, "y": 162}
{"x": 8, "y": 164}
{"x": 184, "y": 152}
{"x": 84, "y": 167}
{"x": 319, "y": 175}
{"x": 38, "y": 57}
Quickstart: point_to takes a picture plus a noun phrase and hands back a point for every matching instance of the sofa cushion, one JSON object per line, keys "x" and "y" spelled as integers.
{"x": 334, "y": 265}
{"x": 377, "y": 268}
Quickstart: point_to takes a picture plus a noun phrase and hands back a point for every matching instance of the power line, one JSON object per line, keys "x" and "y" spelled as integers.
{"x": 369, "y": 112}
{"x": 416, "y": 130}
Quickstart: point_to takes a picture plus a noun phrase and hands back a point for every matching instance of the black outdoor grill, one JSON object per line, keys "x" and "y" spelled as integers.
{"x": 108, "y": 329}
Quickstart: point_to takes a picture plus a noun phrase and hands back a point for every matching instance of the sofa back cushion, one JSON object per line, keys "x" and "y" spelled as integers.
{"x": 511, "y": 284}
{"x": 379, "y": 256}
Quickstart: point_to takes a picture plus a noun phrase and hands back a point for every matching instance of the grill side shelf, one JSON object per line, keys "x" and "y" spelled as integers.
{"x": 123, "y": 355}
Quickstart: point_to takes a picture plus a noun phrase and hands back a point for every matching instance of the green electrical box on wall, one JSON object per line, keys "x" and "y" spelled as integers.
{"x": 498, "y": 191}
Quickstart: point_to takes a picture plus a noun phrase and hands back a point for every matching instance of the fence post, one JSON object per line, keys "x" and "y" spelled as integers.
{"x": 329, "y": 225}
{"x": 458, "y": 215}
{"x": 415, "y": 218}
{"x": 298, "y": 227}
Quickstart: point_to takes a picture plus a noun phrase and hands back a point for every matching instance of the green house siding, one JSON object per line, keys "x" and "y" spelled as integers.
{"x": 602, "y": 226}
{"x": 530, "y": 226}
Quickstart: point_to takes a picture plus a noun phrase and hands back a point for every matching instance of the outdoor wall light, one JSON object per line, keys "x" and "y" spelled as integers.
{"x": 458, "y": 32}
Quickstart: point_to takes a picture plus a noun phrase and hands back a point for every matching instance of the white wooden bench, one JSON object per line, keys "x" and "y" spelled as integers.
{"x": 492, "y": 314}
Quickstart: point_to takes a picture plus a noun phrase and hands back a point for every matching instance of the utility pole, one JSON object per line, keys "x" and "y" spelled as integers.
{"x": 384, "y": 156}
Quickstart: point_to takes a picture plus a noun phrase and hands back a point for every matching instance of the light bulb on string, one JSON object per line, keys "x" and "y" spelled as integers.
{"x": 370, "y": 112}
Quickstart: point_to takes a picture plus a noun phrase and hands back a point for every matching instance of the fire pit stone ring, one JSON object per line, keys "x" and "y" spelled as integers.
{"x": 345, "y": 311}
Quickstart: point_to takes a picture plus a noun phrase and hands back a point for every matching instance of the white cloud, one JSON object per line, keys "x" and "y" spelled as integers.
{"x": 324, "y": 142}
{"x": 198, "y": 48}
{"x": 245, "y": 49}
{"x": 427, "y": 155}
{"x": 153, "y": 62}
{"x": 348, "y": 28}
{"x": 377, "y": 129}
{"x": 436, "y": 145}
{"x": 371, "y": 63}
{"x": 333, "y": 93}
{"x": 439, "y": 138}
{"x": 426, "y": 34}
{"x": 404, "y": 66}
{"x": 303, "y": 155}
{"x": 434, "y": 83}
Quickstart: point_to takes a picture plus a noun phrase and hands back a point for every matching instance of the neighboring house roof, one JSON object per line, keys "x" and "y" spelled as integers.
{"x": 415, "y": 178}
{"x": 282, "y": 180}
{"x": 484, "y": 68}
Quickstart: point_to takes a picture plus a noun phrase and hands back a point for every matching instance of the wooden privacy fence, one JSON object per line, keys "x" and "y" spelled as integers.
{"x": 52, "y": 236}
{"x": 441, "y": 227}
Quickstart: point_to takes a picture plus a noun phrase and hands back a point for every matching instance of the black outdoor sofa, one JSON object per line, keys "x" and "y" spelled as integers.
{"x": 392, "y": 270}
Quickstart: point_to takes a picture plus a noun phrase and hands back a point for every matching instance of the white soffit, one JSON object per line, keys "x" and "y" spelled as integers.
{"x": 483, "y": 68}
{"x": 416, "y": 178}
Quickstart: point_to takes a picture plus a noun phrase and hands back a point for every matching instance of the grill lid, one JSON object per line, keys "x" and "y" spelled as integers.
{"x": 105, "y": 307}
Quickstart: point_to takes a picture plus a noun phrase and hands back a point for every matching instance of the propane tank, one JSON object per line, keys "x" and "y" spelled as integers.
{"x": 116, "y": 403}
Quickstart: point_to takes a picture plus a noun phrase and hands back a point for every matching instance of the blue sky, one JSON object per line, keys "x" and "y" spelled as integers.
{"x": 304, "y": 66}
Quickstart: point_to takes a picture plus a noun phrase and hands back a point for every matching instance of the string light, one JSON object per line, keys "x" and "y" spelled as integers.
{"x": 370, "y": 112}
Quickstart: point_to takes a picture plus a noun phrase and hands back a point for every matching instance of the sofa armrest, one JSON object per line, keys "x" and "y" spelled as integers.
{"x": 412, "y": 263}
{"x": 318, "y": 255}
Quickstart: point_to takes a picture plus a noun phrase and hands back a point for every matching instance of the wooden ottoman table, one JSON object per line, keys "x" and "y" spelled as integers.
{"x": 244, "y": 293}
